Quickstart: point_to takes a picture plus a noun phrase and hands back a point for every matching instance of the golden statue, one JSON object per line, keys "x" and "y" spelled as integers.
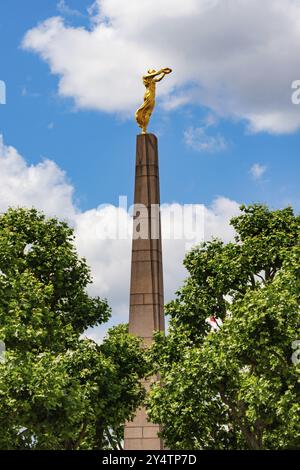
{"x": 144, "y": 112}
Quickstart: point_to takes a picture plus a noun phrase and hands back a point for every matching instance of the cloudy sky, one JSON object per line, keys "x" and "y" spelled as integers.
{"x": 228, "y": 130}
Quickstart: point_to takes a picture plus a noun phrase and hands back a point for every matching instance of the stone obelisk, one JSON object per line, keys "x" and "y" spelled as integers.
{"x": 146, "y": 290}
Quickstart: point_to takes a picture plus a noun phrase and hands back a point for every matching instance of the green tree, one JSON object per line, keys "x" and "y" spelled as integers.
{"x": 234, "y": 386}
{"x": 57, "y": 390}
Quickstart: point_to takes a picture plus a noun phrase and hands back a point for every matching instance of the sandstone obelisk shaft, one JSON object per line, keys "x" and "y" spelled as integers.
{"x": 146, "y": 290}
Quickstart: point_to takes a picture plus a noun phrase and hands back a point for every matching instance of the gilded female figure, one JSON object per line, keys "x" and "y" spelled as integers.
{"x": 144, "y": 112}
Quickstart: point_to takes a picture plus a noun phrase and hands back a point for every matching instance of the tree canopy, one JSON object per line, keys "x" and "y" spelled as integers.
{"x": 57, "y": 389}
{"x": 227, "y": 377}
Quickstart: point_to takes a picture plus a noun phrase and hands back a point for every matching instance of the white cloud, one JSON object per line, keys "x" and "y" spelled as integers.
{"x": 217, "y": 218}
{"x": 64, "y": 9}
{"x": 257, "y": 171}
{"x": 46, "y": 187}
{"x": 238, "y": 57}
{"x": 198, "y": 139}
{"x": 201, "y": 138}
{"x": 2, "y": 92}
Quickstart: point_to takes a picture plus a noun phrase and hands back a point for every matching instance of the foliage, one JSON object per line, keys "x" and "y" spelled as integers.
{"x": 58, "y": 390}
{"x": 234, "y": 386}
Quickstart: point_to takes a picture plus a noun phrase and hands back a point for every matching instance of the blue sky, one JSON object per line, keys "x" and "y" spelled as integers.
{"x": 228, "y": 132}
{"x": 96, "y": 148}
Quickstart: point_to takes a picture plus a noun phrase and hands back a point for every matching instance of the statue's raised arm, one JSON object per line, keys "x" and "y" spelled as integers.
{"x": 144, "y": 112}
